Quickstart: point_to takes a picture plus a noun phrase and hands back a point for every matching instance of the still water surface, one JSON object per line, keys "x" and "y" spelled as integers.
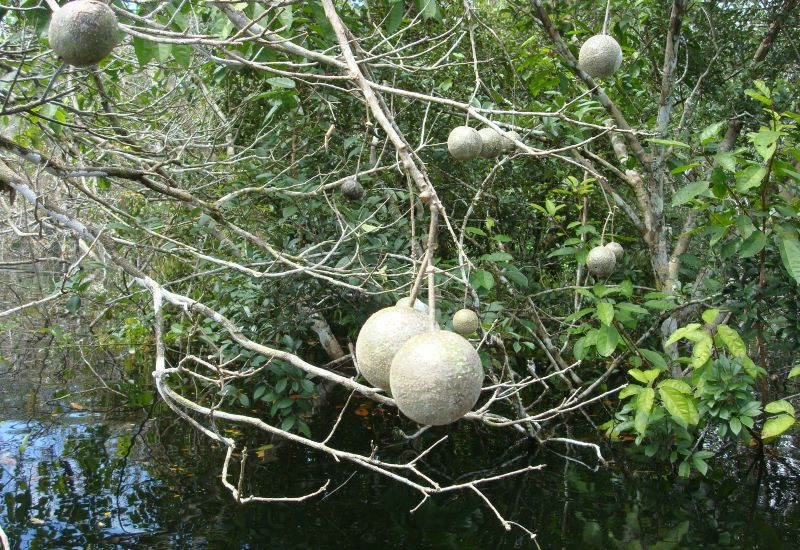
{"x": 98, "y": 480}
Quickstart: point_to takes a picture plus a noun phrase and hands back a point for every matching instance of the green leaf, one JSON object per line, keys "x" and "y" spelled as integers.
{"x": 753, "y": 244}
{"x": 779, "y": 406}
{"x": 605, "y": 312}
{"x": 732, "y": 341}
{"x": 726, "y": 160}
{"x": 692, "y": 331}
{"x": 765, "y": 142}
{"x": 663, "y": 305}
{"x": 645, "y": 399}
{"x": 689, "y": 192}
{"x": 759, "y": 97}
{"x": 668, "y": 142}
{"x": 750, "y": 177}
{"x": 679, "y": 405}
{"x": 497, "y": 257}
{"x": 710, "y": 132}
{"x": 145, "y": 50}
{"x": 789, "y": 248}
{"x": 646, "y": 376}
{"x": 429, "y": 9}
{"x": 395, "y": 16}
{"x": 629, "y": 390}
{"x": 735, "y": 425}
{"x": 795, "y": 372}
{"x": 578, "y": 314}
{"x": 700, "y": 464}
{"x": 654, "y": 358}
{"x": 288, "y": 422}
{"x": 710, "y": 315}
{"x": 281, "y": 82}
{"x": 776, "y": 426}
{"x": 607, "y": 340}
{"x": 677, "y": 385}
{"x": 701, "y": 352}
{"x": 482, "y": 278}
{"x": 74, "y": 303}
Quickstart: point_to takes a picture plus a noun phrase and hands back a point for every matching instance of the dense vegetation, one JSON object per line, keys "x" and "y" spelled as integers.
{"x": 182, "y": 200}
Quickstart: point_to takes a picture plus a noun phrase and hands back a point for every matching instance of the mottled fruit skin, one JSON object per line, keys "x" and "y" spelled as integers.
{"x": 465, "y": 321}
{"x": 83, "y": 32}
{"x": 380, "y": 338}
{"x": 508, "y": 143}
{"x": 492, "y": 143}
{"x": 617, "y": 249}
{"x": 436, "y": 377}
{"x": 419, "y": 305}
{"x": 464, "y": 143}
{"x": 352, "y": 190}
{"x": 601, "y": 261}
{"x": 600, "y": 56}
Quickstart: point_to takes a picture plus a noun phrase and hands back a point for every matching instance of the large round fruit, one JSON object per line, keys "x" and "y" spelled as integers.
{"x": 600, "y": 56}
{"x": 83, "y": 32}
{"x": 436, "y": 377}
{"x": 601, "y": 261}
{"x": 381, "y": 336}
{"x": 493, "y": 143}
{"x": 464, "y": 143}
{"x": 352, "y": 190}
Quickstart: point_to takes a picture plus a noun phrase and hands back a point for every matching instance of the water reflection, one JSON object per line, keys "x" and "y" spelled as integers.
{"x": 86, "y": 480}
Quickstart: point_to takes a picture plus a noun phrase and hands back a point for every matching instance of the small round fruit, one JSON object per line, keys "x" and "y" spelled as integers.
{"x": 508, "y": 143}
{"x": 419, "y": 305}
{"x": 83, "y": 32}
{"x": 492, "y": 143}
{"x": 600, "y": 56}
{"x": 381, "y": 336}
{"x": 464, "y": 143}
{"x": 465, "y": 321}
{"x": 601, "y": 261}
{"x": 352, "y": 190}
{"x": 617, "y": 249}
{"x": 436, "y": 377}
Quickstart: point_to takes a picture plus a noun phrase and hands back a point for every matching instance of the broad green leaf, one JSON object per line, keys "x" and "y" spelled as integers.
{"x": 578, "y": 314}
{"x": 605, "y": 312}
{"x": 732, "y": 341}
{"x": 795, "y": 372}
{"x": 735, "y": 425}
{"x": 631, "y": 308}
{"x": 281, "y": 82}
{"x": 288, "y": 422}
{"x": 726, "y": 160}
{"x": 683, "y": 168}
{"x": 684, "y": 332}
{"x": 395, "y": 16}
{"x": 759, "y": 97}
{"x": 776, "y": 426}
{"x": 516, "y": 277}
{"x": 607, "y": 340}
{"x": 483, "y": 279}
{"x": 689, "y": 192}
{"x": 679, "y": 405}
{"x": 668, "y": 142}
{"x": 654, "y": 358}
{"x": 645, "y": 399}
{"x": 641, "y": 419}
{"x": 701, "y": 352}
{"x": 663, "y": 305}
{"x": 646, "y": 376}
{"x": 629, "y": 390}
{"x": 753, "y": 244}
{"x": 710, "y": 315}
{"x": 678, "y": 385}
{"x": 700, "y": 464}
{"x": 765, "y": 141}
{"x": 750, "y": 177}
{"x": 780, "y": 406}
{"x": 286, "y": 17}
{"x": 790, "y": 255}
{"x": 710, "y": 132}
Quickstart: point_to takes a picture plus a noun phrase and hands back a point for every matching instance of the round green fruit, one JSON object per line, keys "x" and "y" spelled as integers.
{"x": 436, "y": 377}
{"x": 465, "y": 321}
{"x": 381, "y": 336}
{"x": 601, "y": 261}
{"x": 83, "y": 32}
{"x": 464, "y": 143}
{"x": 600, "y": 56}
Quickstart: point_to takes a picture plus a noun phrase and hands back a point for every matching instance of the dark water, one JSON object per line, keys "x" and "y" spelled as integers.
{"x": 125, "y": 480}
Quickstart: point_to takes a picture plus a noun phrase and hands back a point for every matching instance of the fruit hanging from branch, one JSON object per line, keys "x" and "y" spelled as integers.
{"x": 381, "y": 336}
{"x": 601, "y": 261}
{"x": 436, "y": 377}
{"x": 493, "y": 144}
{"x": 464, "y": 143}
{"x": 600, "y": 56}
{"x": 83, "y": 32}
{"x": 352, "y": 190}
{"x": 617, "y": 249}
{"x": 465, "y": 321}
